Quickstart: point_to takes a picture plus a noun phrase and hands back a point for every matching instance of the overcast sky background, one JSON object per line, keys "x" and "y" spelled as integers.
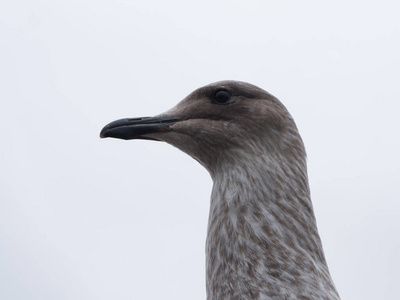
{"x": 85, "y": 218}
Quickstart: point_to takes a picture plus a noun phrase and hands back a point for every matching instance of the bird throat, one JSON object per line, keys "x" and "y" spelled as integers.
{"x": 262, "y": 239}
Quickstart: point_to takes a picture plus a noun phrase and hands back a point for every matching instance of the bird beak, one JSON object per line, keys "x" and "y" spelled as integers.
{"x": 138, "y": 128}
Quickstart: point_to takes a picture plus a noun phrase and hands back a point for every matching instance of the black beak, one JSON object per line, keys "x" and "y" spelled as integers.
{"x": 137, "y": 128}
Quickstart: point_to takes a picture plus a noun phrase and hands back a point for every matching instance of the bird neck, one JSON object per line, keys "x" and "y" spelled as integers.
{"x": 262, "y": 236}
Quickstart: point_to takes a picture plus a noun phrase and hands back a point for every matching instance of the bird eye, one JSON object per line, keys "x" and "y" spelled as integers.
{"x": 221, "y": 97}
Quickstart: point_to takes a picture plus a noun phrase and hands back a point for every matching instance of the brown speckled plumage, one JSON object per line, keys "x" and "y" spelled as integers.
{"x": 262, "y": 240}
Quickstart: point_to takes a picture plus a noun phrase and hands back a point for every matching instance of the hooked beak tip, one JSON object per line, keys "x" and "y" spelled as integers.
{"x": 103, "y": 132}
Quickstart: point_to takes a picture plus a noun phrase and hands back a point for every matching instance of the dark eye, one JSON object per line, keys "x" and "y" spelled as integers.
{"x": 221, "y": 97}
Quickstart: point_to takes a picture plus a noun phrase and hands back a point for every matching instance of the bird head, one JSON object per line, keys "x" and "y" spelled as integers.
{"x": 218, "y": 123}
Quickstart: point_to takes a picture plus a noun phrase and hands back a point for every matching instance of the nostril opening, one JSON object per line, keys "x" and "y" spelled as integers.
{"x": 134, "y": 119}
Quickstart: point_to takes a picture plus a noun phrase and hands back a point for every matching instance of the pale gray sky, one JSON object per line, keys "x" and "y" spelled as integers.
{"x": 84, "y": 218}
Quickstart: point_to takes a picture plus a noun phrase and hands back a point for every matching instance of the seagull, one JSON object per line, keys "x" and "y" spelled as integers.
{"x": 262, "y": 237}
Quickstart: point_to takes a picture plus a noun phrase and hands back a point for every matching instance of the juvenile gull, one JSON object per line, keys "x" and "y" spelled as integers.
{"x": 262, "y": 239}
